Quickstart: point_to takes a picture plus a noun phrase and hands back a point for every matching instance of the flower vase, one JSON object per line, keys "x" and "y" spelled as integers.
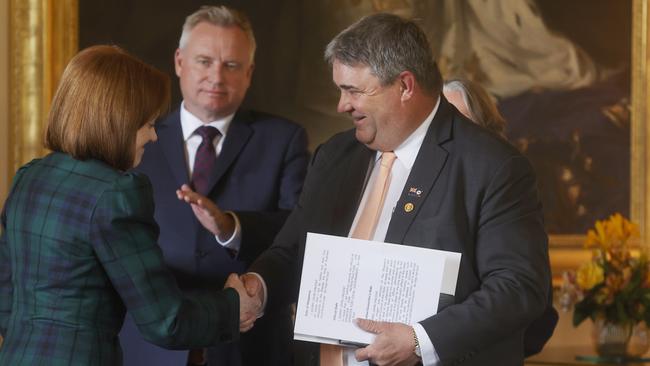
{"x": 639, "y": 342}
{"x": 611, "y": 339}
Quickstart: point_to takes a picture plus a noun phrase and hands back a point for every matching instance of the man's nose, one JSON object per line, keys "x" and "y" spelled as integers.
{"x": 215, "y": 73}
{"x": 344, "y": 104}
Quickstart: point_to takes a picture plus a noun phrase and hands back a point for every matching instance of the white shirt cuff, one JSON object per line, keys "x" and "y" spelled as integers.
{"x": 234, "y": 242}
{"x": 429, "y": 354}
{"x": 263, "y": 289}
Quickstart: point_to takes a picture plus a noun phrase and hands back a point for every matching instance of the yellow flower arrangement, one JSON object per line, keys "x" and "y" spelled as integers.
{"x": 589, "y": 275}
{"x": 614, "y": 285}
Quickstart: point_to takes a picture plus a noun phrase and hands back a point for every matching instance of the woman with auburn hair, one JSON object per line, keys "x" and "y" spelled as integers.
{"x": 78, "y": 244}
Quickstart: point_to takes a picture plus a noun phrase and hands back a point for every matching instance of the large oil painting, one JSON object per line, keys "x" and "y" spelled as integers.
{"x": 563, "y": 85}
{"x": 570, "y": 77}
{"x": 562, "y": 81}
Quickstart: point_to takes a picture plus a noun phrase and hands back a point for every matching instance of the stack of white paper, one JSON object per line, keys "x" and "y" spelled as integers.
{"x": 344, "y": 279}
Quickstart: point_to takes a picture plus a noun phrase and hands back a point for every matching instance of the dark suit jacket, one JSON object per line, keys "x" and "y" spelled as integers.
{"x": 479, "y": 198}
{"x": 259, "y": 175}
{"x": 78, "y": 249}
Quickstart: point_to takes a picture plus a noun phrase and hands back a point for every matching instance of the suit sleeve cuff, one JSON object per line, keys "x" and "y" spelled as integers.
{"x": 234, "y": 242}
{"x": 429, "y": 354}
{"x": 232, "y": 321}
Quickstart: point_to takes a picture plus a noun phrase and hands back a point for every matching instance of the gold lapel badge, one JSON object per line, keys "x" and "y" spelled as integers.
{"x": 408, "y": 207}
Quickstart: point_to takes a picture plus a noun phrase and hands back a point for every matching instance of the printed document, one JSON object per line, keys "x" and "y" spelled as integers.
{"x": 344, "y": 279}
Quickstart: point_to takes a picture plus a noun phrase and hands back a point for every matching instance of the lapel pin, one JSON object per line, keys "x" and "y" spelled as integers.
{"x": 415, "y": 192}
{"x": 408, "y": 207}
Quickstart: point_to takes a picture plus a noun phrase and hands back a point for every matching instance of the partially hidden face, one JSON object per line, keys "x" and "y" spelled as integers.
{"x": 145, "y": 134}
{"x": 215, "y": 69}
{"x": 455, "y": 97}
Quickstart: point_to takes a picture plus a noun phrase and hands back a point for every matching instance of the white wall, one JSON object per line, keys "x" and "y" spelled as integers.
{"x": 4, "y": 98}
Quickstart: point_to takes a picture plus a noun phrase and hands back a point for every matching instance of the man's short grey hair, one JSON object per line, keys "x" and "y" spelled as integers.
{"x": 389, "y": 45}
{"x": 222, "y": 16}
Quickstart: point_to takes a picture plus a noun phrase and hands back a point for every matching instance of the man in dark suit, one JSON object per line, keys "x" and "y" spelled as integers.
{"x": 252, "y": 165}
{"x": 453, "y": 186}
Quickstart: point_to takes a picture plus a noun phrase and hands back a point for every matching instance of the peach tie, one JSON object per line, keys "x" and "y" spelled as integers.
{"x": 331, "y": 355}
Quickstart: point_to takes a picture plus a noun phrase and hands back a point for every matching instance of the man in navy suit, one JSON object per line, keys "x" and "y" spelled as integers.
{"x": 251, "y": 164}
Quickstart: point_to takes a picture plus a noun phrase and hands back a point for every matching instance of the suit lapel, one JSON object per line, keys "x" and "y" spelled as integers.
{"x": 351, "y": 189}
{"x": 236, "y": 138}
{"x": 424, "y": 174}
{"x": 170, "y": 139}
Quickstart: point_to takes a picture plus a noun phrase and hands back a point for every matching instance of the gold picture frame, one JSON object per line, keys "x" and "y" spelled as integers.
{"x": 44, "y": 36}
{"x": 566, "y": 251}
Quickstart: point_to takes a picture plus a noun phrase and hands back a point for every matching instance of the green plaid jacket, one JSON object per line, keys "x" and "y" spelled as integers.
{"x": 78, "y": 248}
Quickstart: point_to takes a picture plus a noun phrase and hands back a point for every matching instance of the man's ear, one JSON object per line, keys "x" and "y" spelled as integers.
{"x": 178, "y": 62}
{"x": 407, "y": 84}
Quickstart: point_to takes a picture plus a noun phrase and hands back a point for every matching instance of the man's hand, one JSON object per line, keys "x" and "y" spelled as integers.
{"x": 393, "y": 345}
{"x": 209, "y": 215}
{"x": 249, "y": 306}
{"x": 253, "y": 285}
{"x": 255, "y": 290}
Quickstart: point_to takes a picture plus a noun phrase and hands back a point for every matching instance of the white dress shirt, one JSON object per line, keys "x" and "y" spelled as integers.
{"x": 406, "y": 154}
{"x": 191, "y": 141}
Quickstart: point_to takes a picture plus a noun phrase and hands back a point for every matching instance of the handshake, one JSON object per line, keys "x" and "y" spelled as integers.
{"x": 249, "y": 286}
{"x": 251, "y": 298}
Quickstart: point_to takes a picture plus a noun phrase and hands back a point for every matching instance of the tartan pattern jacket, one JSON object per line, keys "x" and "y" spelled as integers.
{"x": 78, "y": 248}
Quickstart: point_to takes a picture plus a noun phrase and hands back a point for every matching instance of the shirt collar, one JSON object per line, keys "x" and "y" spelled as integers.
{"x": 408, "y": 150}
{"x": 190, "y": 122}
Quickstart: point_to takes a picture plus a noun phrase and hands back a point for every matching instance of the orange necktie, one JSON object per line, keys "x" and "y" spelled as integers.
{"x": 331, "y": 355}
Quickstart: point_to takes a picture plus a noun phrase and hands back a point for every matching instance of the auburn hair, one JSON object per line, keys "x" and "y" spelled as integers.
{"x": 105, "y": 95}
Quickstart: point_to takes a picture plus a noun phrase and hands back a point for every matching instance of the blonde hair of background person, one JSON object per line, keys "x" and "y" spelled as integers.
{"x": 476, "y": 104}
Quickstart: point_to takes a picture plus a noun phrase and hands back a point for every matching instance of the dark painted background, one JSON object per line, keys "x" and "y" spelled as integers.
{"x": 572, "y": 144}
